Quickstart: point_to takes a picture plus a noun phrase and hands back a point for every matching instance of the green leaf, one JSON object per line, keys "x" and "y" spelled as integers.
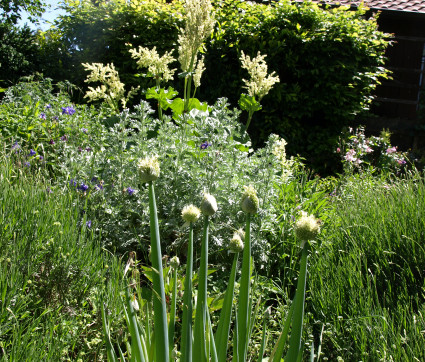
{"x": 249, "y": 103}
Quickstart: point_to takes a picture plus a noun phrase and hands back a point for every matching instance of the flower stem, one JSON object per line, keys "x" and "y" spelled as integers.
{"x": 244, "y": 294}
{"x": 160, "y": 314}
{"x": 186, "y": 337}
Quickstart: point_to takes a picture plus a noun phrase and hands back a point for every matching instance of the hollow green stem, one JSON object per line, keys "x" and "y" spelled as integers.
{"x": 294, "y": 350}
{"x": 199, "y": 343}
{"x": 186, "y": 337}
{"x": 244, "y": 294}
{"x": 160, "y": 313}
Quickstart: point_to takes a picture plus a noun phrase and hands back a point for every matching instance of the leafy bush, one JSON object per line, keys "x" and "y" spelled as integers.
{"x": 328, "y": 61}
{"x": 18, "y": 53}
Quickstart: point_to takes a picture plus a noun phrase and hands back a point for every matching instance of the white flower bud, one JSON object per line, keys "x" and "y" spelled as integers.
{"x": 307, "y": 228}
{"x": 190, "y": 213}
{"x": 236, "y": 244}
{"x": 148, "y": 169}
{"x": 250, "y": 201}
{"x": 209, "y": 205}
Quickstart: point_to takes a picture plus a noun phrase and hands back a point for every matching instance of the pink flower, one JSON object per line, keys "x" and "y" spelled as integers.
{"x": 391, "y": 150}
{"x": 349, "y": 156}
{"x": 401, "y": 162}
{"x": 368, "y": 150}
{"x": 338, "y": 150}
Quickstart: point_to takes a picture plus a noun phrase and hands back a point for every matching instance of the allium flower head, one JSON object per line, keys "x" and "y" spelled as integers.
{"x": 158, "y": 66}
{"x": 174, "y": 262}
{"x": 259, "y": 83}
{"x": 199, "y": 26}
{"x": 191, "y": 213}
{"x": 307, "y": 228}
{"x": 148, "y": 169}
{"x": 209, "y": 205}
{"x": 249, "y": 202}
{"x": 236, "y": 244}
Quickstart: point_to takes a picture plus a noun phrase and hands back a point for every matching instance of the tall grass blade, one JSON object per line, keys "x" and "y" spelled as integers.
{"x": 109, "y": 347}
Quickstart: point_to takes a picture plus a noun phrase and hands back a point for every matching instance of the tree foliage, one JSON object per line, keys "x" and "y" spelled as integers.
{"x": 10, "y": 11}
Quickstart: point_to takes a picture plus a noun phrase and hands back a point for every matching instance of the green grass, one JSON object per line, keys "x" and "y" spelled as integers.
{"x": 52, "y": 271}
{"x": 367, "y": 278}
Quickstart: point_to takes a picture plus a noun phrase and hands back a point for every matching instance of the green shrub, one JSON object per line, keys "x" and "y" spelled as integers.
{"x": 18, "y": 53}
{"x": 328, "y": 61}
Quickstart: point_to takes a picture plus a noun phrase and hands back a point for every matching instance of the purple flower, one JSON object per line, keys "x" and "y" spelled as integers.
{"x": 401, "y": 162}
{"x": 48, "y": 106}
{"x": 64, "y": 138}
{"x": 51, "y": 142}
{"x": 40, "y": 158}
{"x": 80, "y": 149}
{"x": 72, "y": 182}
{"x": 68, "y": 110}
{"x": 84, "y": 130}
{"x": 88, "y": 149}
{"x": 27, "y": 164}
{"x": 130, "y": 191}
{"x": 205, "y": 145}
{"x": 16, "y": 146}
{"x": 49, "y": 190}
{"x": 43, "y": 116}
{"x": 93, "y": 179}
{"x": 88, "y": 224}
{"x": 55, "y": 118}
{"x": 32, "y": 152}
{"x": 83, "y": 187}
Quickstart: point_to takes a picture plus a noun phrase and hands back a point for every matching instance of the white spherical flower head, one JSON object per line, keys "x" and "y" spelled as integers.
{"x": 148, "y": 169}
{"x": 190, "y": 213}
{"x": 209, "y": 205}
{"x": 250, "y": 201}
{"x": 307, "y": 228}
{"x": 174, "y": 262}
{"x": 236, "y": 244}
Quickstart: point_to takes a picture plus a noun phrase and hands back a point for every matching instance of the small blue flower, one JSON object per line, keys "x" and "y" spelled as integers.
{"x": 27, "y": 164}
{"x": 130, "y": 191}
{"x": 72, "y": 182}
{"x": 84, "y": 130}
{"x": 64, "y": 138}
{"x": 32, "y": 152}
{"x": 83, "y": 187}
{"x": 43, "y": 116}
{"x": 205, "y": 145}
{"x": 16, "y": 146}
{"x": 88, "y": 224}
{"x": 40, "y": 158}
{"x": 94, "y": 179}
{"x": 48, "y": 106}
{"x": 68, "y": 110}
